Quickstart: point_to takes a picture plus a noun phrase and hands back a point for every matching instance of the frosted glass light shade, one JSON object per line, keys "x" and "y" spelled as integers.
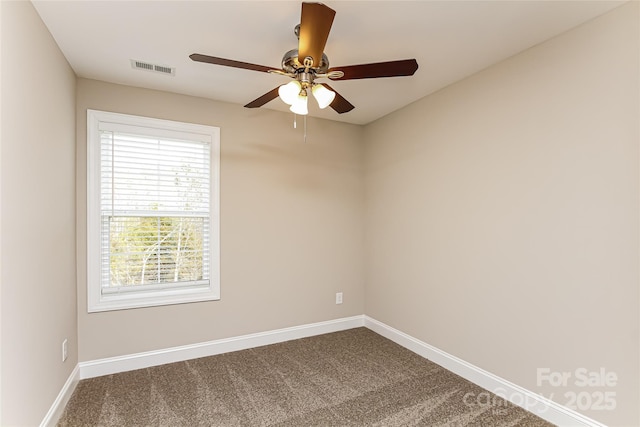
{"x": 323, "y": 95}
{"x": 299, "y": 106}
{"x": 289, "y": 92}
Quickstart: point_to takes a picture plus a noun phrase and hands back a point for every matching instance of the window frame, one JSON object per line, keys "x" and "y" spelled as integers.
{"x": 96, "y": 300}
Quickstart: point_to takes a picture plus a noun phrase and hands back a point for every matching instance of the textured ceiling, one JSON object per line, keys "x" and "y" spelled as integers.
{"x": 449, "y": 39}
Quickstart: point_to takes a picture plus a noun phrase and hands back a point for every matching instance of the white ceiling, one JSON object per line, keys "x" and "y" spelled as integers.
{"x": 449, "y": 39}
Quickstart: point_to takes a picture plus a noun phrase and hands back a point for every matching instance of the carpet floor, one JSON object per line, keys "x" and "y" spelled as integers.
{"x": 349, "y": 378}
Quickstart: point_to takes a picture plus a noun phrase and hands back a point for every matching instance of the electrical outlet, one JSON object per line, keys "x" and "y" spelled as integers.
{"x": 64, "y": 350}
{"x": 338, "y": 297}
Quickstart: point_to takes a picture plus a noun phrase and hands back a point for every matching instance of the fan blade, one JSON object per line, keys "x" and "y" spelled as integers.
{"x": 405, "y": 67}
{"x": 315, "y": 24}
{"x": 228, "y": 62}
{"x": 339, "y": 104}
{"x": 259, "y": 102}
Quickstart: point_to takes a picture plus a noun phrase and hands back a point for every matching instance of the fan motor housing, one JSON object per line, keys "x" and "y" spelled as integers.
{"x": 291, "y": 64}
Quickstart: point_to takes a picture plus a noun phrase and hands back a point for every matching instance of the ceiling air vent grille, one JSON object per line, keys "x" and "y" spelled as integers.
{"x": 146, "y": 66}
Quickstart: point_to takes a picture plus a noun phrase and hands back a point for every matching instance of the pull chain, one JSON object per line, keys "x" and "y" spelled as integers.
{"x": 295, "y": 125}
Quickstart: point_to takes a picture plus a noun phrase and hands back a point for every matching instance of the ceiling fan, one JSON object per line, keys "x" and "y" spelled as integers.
{"x": 308, "y": 63}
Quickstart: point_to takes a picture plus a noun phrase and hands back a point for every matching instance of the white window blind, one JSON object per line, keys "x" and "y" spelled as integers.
{"x": 155, "y": 213}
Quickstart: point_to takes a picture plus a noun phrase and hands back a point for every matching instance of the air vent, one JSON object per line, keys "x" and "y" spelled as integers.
{"x": 146, "y": 66}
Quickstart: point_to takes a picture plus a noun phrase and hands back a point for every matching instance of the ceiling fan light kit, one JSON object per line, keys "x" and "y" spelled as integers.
{"x": 323, "y": 95}
{"x": 309, "y": 62}
{"x": 299, "y": 105}
{"x": 289, "y": 92}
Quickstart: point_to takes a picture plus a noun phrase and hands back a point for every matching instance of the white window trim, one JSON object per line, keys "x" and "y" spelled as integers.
{"x": 96, "y": 301}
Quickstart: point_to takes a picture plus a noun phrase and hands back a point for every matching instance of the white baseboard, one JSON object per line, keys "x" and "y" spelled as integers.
{"x": 112, "y": 365}
{"x": 532, "y": 402}
{"x": 52, "y": 417}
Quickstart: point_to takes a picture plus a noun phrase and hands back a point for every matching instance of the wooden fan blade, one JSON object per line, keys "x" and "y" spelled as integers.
{"x": 315, "y": 24}
{"x": 259, "y": 102}
{"x": 339, "y": 104}
{"x": 405, "y": 67}
{"x": 228, "y": 62}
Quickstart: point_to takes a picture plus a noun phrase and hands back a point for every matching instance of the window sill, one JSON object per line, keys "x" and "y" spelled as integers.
{"x": 151, "y": 299}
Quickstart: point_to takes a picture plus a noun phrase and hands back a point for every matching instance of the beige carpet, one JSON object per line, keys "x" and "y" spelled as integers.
{"x": 349, "y": 378}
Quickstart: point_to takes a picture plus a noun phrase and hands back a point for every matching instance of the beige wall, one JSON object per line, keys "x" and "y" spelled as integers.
{"x": 502, "y": 214}
{"x": 501, "y": 217}
{"x": 291, "y": 225}
{"x": 37, "y": 245}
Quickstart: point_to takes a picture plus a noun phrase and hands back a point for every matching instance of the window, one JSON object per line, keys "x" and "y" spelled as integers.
{"x": 152, "y": 212}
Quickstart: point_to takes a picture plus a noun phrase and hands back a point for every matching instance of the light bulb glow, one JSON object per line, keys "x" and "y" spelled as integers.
{"x": 323, "y": 95}
{"x": 299, "y": 106}
{"x": 289, "y": 92}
